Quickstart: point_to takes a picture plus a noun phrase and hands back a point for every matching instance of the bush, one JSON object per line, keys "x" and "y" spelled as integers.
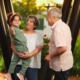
{"x": 1, "y": 61}
{"x": 1, "y": 64}
{"x": 23, "y": 23}
{"x": 76, "y": 54}
{"x": 45, "y": 47}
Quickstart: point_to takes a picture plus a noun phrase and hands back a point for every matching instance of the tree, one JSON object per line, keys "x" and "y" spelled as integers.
{"x": 25, "y": 8}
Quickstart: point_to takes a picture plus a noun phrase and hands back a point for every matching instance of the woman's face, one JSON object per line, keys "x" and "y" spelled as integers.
{"x": 16, "y": 21}
{"x": 30, "y": 23}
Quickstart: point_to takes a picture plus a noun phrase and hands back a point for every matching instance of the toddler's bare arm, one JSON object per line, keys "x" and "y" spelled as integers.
{"x": 12, "y": 30}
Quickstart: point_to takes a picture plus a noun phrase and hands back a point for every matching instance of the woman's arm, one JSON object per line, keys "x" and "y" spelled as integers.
{"x": 36, "y": 51}
{"x": 33, "y": 53}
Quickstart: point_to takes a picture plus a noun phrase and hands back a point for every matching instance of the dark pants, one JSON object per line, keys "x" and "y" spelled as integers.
{"x": 61, "y": 75}
{"x": 17, "y": 69}
{"x": 31, "y": 73}
{"x": 15, "y": 60}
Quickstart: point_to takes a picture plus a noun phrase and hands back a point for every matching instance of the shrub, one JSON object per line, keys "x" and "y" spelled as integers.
{"x": 23, "y": 23}
{"x": 76, "y": 54}
{"x": 1, "y": 61}
{"x": 45, "y": 47}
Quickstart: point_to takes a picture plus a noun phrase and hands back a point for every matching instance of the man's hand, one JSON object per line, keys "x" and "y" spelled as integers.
{"x": 48, "y": 57}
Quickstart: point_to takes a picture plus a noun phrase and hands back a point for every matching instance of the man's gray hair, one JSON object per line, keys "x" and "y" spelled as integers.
{"x": 56, "y": 12}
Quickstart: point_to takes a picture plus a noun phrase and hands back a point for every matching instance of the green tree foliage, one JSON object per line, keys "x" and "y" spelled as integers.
{"x": 76, "y": 54}
{"x": 45, "y": 47}
{"x": 23, "y": 23}
{"x": 26, "y": 7}
{"x": 1, "y": 61}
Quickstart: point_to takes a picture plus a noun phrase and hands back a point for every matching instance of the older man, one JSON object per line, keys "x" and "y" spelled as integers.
{"x": 60, "y": 55}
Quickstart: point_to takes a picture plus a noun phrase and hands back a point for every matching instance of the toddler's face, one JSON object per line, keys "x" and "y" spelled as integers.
{"x": 16, "y": 21}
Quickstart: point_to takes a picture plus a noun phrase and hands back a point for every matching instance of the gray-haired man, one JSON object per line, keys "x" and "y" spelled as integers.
{"x": 60, "y": 55}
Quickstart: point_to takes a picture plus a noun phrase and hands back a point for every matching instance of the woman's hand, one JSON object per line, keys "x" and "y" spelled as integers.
{"x": 25, "y": 55}
{"x": 19, "y": 54}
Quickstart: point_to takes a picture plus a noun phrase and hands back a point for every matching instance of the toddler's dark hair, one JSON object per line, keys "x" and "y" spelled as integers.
{"x": 11, "y": 17}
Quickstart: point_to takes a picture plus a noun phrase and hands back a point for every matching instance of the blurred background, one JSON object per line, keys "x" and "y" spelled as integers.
{"x": 39, "y": 8}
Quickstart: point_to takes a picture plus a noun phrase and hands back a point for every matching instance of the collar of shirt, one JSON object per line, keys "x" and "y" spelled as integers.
{"x": 55, "y": 24}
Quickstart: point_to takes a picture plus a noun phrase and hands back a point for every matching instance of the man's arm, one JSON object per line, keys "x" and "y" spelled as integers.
{"x": 58, "y": 51}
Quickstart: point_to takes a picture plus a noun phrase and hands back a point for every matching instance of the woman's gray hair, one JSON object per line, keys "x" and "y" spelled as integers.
{"x": 56, "y": 12}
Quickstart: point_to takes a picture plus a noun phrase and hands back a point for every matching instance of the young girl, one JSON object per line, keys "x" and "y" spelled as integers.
{"x": 35, "y": 44}
{"x": 19, "y": 42}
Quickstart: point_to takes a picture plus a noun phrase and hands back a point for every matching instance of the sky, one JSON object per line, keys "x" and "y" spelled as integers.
{"x": 39, "y": 2}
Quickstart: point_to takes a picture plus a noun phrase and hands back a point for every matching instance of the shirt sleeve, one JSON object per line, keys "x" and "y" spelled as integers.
{"x": 59, "y": 38}
{"x": 39, "y": 39}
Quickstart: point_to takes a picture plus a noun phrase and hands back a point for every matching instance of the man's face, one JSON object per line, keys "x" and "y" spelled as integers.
{"x": 50, "y": 19}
